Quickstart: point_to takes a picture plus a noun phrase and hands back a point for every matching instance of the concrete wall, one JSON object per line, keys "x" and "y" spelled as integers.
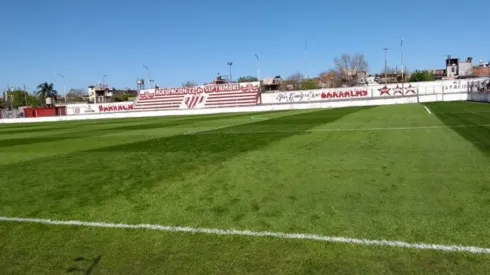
{"x": 479, "y": 97}
{"x": 437, "y": 88}
{"x": 257, "y": 108}
{"x": 474, "y": 90}
{"x": 83, "y": 109}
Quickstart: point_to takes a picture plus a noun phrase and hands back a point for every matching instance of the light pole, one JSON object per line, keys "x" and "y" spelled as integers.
{"x": 258, "y": 67}
{"x": 103, "y": 80}
{"x": 149, "y": 77}
{"x": 386, "y": 66}
{"x": 230, "y": 64}
{"x": 64, "y": 84}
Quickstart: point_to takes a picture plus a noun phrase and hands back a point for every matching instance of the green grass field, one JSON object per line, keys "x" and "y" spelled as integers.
{"x": 381, "y": 173}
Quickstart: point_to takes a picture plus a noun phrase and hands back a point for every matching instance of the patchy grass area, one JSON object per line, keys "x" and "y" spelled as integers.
{"x": 391, "y": 172}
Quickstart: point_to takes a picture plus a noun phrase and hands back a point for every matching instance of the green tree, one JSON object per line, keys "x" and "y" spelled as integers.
{"x": 348, "y": 67}
{"x": 419, "y": 76}
{"x": 309, "y": 84}
{"x": 33, "y": 101}
{"x": 296, "y": 77}
{"x": 46, "y": 90}
{"x": 76, "y": 95}
{"x": 121, "y": 97}
{"x": 19, "y": 98}
{"x": 247, "y": 79}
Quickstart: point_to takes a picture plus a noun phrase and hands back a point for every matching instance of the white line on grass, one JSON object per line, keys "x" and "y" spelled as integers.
{"x": 217, "y": 128}
{"x": 209, "y": 231}
{"x": 236, "y": 124}
{"x": 428, "y": 110}
{"x": 258, "y": 117}
{"x": 209, "y": 129}
{"x": 212, "y": 132}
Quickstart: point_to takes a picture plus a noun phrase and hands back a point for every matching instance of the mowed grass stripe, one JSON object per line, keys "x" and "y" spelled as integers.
{"x": 8, "y": 129}
{"x": 38, "y": 249}
{"x": 97, "y": 130}
{"x": 468, "y": 113}
{"x": 45, "y": 144}
{"x": 136, "y": 167}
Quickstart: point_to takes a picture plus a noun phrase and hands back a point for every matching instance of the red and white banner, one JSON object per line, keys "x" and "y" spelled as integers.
{"x": 83, "y": 109}
{"x": 116, "y": 107}
{"x": 316, "y": 95}
{"x": 459, "y": 86}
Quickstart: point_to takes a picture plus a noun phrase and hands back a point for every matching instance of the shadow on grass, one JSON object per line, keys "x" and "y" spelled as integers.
{"x": 91, "y": 177}
{"x": 92, "y": 263}
{"x": 8, "y": 129}
{"x": 464, "y": 113}
{"x": 91, "y": 132}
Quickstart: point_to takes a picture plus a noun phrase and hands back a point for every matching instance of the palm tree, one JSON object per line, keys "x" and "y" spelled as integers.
{"x": 46, "y": 90}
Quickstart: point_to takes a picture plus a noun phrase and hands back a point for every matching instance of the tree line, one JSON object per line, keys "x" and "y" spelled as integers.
{"x": 16, "y": 98}
{"x": 345, "y": 72}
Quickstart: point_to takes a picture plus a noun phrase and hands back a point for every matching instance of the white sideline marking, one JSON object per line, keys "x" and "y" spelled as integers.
{"x": 210, "y": 231}
{"x": 428, "y": 110}
{"x": 210, "y": 131}
{"x": 217, "y": 128}
{"x": 237, "y": 124}
{"x": 258, "y": 117}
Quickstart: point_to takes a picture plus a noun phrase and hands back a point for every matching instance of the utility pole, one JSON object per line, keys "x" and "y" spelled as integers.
{"x": 103, "y": 80}
{"x": 64, "y": 84}
{"x": 386, "y": 66}
{"x": 258, "y": 67}
{"x": 230, "y": 64}
{"x": 25, "y": 95}
{"x": 9, "y": 97}
{"x": 306, "y": 59}
{"x": 403, "y": 67}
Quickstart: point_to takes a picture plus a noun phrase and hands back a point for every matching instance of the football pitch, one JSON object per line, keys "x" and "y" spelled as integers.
{"x": 402, "y": 189}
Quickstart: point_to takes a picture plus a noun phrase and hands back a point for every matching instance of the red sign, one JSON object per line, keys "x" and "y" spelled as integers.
{"x": 116, "y": 108}
{"x": 384, "y": 91}
{"x": 346, "y": 94}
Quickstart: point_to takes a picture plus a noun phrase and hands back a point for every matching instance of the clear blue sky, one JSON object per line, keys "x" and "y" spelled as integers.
{"x": 194, "y": 39}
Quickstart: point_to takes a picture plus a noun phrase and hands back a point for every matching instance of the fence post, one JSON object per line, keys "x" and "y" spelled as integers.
{"x": 418, "y": 94}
